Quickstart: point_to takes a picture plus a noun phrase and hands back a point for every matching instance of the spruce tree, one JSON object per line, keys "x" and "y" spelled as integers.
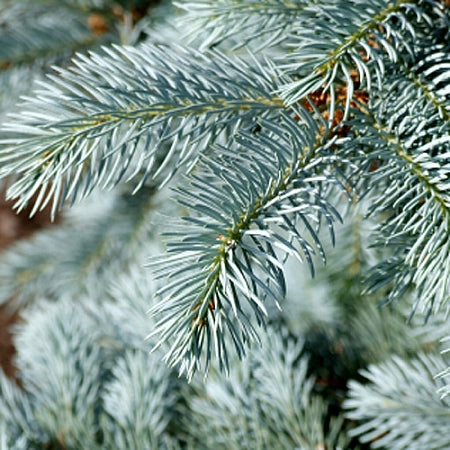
{"x": 252, "y": 247}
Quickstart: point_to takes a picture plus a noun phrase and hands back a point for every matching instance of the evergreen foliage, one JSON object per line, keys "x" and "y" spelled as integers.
{"x": 285, "y": 180}
{"x": 401, "y": 408}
